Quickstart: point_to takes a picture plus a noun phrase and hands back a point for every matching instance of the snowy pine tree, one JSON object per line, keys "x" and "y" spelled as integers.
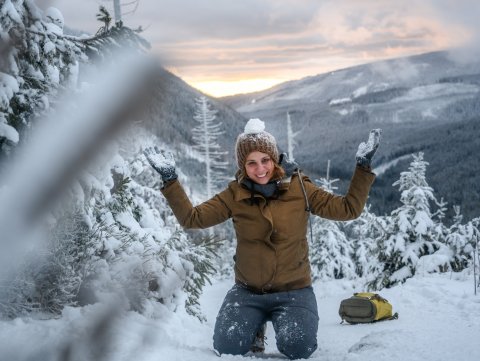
{"x": 363, "y": 232}
{"x": 141, "y": 239}
{"x": 40, "y": 60}
{"x": 205, "y": 136}
{"x": 411, "y": 241}
{"x": 111, "y": 38}
{"x": 330, "y": 251}
{"x": 111, "y": 234}
{"x": 462, "y": 240}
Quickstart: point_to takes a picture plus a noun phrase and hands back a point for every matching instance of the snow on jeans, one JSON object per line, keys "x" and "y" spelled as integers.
{"x": 293, "y": 314}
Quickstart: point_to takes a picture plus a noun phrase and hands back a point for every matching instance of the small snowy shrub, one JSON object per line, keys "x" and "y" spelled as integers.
{"x": 54, "y": 279}
{"x": 411, "y": 241}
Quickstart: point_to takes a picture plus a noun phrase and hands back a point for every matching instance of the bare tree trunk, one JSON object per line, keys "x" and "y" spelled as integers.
{"x": 289, "y": 138}
{"x": 117, "y": 10}
{"x": 475, "y": 253}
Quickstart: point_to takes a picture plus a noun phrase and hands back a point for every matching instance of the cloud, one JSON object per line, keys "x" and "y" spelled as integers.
{"x": 396, "y": 70}
{"x": 255, "y": 32}
{"x": 227, "y": 19}
{"x": 463, "y": 18}
{"x": 217, "y": 39}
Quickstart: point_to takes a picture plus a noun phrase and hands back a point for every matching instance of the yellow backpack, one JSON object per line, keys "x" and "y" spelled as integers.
{"x": 366, "y": 307}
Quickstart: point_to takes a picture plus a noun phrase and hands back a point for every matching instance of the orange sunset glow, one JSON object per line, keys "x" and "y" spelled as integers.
{"x": 221, "y": 88}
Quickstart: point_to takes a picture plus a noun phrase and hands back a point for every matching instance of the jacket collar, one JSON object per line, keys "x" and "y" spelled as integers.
{"x": 241, "y": 192}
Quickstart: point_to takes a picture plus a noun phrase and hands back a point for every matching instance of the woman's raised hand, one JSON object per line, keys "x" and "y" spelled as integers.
{"x": 367, "y": 150}
{"x": 162, "y": 161}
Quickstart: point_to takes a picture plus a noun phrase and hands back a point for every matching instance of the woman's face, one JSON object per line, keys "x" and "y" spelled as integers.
{"x": 259, "y": 167}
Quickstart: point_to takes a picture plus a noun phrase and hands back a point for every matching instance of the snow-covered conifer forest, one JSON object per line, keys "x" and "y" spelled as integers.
{"x": 93, "y": 264}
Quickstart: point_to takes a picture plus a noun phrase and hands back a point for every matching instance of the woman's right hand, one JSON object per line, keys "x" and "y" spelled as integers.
{"x": 162, "y": 161}
{"x": 289, "y": 166}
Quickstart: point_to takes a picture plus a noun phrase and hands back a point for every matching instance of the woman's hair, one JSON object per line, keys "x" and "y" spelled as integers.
{"x": 278, "y": 172}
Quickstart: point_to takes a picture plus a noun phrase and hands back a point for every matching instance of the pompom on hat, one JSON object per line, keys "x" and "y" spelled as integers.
{"x": 255, "y": 138}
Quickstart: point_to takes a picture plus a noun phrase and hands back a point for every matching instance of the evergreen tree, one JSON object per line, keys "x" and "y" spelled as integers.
{"x": 363, "y": 232}
{"x": 411, "y": 240}
{"x": 40, "y": 60}
{"x": 462, "y": 240}
{"x": 205, "y": 136}
{"x": 330, "y": 251}
{"x": 108, "y": 40}
{"x": 60, "y": 275}
{"x": 141, "y": 239}
{"x": 114, "y": 232}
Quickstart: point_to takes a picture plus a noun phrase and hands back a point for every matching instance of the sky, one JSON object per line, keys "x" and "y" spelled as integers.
{"x": 225, "y": 47}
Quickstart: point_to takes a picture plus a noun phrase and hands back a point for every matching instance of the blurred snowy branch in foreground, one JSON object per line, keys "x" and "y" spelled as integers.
{"x": 59, "y": 147}
{"x": 65, "y": 141}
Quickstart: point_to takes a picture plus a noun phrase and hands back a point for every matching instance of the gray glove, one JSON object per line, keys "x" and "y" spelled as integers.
{"x": 288, "y": 166}
{"x": 366, "y": 151}
{"x": 162, "y": 161}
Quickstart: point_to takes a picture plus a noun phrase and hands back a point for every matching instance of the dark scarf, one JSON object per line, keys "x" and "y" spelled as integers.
{"x": 269, "y": 190}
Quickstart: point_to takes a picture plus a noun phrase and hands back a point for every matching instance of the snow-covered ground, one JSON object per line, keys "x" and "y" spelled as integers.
{"x": 439, "y": 320}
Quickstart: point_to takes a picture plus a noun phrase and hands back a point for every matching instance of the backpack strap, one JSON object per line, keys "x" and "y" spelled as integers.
{"x": 370, "y": 296}
{"x": 376, "y": 296}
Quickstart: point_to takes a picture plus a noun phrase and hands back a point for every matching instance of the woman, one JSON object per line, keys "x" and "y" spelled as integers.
{"x": 269, "y": 203}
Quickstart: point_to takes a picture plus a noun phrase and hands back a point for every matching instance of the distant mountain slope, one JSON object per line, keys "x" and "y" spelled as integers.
{"x": 423, "y": 103}
{"x": 452, "y": 152}
{"x": 171, "y": 116}
{"x": 357, "y": 81}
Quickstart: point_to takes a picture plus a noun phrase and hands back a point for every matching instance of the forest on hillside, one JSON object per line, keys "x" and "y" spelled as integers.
{"x": 431, "y": 113}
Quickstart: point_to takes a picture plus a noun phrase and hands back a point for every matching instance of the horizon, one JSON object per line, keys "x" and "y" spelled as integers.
{"x": 447, "y": 51}
{"x": 228, "y": 48}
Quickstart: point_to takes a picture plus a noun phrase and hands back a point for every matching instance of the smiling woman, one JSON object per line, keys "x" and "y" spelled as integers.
{"x": 221, "y": 88}
{"x": 269, "y": 204}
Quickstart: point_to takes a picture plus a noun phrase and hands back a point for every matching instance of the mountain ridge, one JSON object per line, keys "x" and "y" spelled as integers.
{"x": 428, "y": 94}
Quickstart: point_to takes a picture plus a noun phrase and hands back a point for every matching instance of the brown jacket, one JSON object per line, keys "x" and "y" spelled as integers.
{"x": 272, "y": 248}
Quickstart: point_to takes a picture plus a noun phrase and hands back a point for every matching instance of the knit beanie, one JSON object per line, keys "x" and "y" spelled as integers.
{"x": 255, "y": 138}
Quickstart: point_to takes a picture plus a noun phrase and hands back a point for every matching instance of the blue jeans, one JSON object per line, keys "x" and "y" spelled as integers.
{"x": 293, "y": 314}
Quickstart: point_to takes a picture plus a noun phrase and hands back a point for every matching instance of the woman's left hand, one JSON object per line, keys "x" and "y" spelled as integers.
{"x": 366, "y": 151}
